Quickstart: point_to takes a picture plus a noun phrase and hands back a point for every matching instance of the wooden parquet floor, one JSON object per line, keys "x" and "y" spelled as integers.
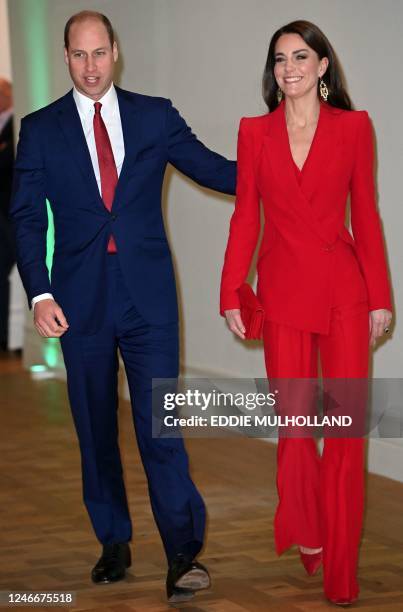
{"x": 47, "y": 542}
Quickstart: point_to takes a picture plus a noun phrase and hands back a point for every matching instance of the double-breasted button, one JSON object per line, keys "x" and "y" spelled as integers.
{"x": 328, "y": 248}
{"x": 114, "y": 217}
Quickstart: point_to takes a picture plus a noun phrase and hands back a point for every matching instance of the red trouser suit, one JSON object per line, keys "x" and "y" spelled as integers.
{"x": 321, "y": 498}
{"x": 317, "y": 285}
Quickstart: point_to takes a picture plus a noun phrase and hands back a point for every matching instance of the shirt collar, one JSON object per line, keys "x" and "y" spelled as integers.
{"x": 85, "y": 105}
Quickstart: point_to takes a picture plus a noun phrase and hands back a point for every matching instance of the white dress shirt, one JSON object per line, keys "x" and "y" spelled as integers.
{"x": 111, "y": 116}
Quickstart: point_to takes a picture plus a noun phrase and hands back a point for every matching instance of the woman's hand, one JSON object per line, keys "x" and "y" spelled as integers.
{"x": 379, "y": 320}
{"x": 234, "y": 322}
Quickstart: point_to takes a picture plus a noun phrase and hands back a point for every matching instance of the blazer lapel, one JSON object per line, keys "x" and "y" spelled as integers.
{"x": 130, "y": 118}
{"x": 71, "y": 127}
{"x": 277, "y": 150}
{"x": 323, "y": 152}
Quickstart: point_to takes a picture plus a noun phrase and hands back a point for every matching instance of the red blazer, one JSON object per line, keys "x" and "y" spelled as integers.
{"x": 306, "y": 254}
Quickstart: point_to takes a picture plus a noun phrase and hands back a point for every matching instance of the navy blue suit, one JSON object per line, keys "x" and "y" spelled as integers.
{"x": 126, "y": 301}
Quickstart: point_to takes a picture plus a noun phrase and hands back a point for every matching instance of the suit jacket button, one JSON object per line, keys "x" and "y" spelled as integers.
{"x": 114, "y": 217}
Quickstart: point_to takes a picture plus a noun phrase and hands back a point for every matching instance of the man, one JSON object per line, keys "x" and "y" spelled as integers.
{"x": 7, "y": 255}
{"x": 99, "y": 155}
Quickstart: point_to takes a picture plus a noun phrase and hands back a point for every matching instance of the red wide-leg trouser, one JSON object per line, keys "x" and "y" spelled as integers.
{"x": 321, "y": 498}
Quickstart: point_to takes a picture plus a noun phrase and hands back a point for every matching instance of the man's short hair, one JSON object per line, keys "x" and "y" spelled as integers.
{"x": 84, "y": 16}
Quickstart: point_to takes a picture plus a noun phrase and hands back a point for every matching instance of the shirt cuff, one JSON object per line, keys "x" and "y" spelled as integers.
{"x": 39, "y": 298}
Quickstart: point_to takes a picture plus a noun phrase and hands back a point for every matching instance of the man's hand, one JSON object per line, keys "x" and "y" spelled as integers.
{"x": 234, "y": 322}
{"x": 49, "y": 319}
{"x": 379, "y": 320}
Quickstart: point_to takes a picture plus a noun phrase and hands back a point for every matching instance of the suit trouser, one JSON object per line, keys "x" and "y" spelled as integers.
{"x": 92, "y": 375}
{"x": 321, "y": 498}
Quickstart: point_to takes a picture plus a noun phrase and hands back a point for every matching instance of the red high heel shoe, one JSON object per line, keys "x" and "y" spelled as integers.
{"x": 311, "y": 562}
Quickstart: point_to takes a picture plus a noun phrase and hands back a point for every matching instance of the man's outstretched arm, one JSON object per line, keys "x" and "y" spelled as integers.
{"x": 191, "y": 157}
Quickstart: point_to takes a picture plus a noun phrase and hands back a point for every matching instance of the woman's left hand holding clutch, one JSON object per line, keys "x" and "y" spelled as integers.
{"x": 235, "y": 323}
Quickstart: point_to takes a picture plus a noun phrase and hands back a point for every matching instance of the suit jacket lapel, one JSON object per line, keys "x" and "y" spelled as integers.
{"x": 277, "y": 150}
{"x": 71, "y": 127}
{"x": 324, "y": 151}
{"x": 130, "y": 118}
{"x": 70, "y": 124}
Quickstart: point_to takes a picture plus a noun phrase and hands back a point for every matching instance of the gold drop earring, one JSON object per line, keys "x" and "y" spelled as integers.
{"x": 279, "y": 95}
{"x": 323, "y": 90}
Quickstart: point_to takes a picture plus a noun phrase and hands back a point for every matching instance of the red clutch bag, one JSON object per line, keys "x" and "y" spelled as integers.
{"x": 252, "y": 313}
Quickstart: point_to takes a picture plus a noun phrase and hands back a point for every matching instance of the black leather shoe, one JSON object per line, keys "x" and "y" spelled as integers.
{"x": 185, "y": 576}
{"x": 112, "y": 565}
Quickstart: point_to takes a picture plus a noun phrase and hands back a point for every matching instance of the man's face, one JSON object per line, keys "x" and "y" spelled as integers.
{"x": 90, "y": 58}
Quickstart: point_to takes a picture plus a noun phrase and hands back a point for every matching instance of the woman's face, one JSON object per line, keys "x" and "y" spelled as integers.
{"x": 297, "y": 67}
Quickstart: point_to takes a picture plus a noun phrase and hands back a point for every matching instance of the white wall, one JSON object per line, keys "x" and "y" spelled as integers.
{"x": 212, "y": 69}
{"x": 208, "y": 57}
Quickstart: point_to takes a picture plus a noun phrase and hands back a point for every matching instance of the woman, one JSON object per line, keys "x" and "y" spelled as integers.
{"x": 318, "y": 285}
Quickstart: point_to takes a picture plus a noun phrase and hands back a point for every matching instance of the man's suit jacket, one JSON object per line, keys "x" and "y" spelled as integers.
{"x": 306, "y": 249}
{"x": 53, "y": 162}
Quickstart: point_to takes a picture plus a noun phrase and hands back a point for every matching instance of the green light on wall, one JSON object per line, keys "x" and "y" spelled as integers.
{"x": 34, "y": 20}
{"x": 50, "y": 239}
{"x": 51, "y": 352}
{"x": 33, "y": 16}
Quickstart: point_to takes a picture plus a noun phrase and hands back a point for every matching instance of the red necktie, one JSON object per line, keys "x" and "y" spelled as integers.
{"x": 107, "y": 166}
